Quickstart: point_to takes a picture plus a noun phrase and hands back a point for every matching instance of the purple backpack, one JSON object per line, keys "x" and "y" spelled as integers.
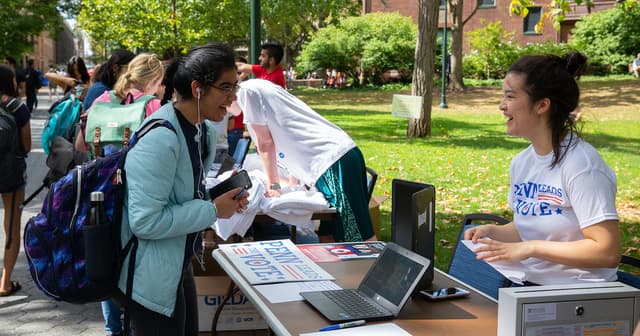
{"x": 55, "y": 239}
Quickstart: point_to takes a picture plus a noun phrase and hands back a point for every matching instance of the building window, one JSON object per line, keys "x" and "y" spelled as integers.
{"x": 532, "y": 19}
{"x": 486, "y": 3}
{"x": 442, "y": 2}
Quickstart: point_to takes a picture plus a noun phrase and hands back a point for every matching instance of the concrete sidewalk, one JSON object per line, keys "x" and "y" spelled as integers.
{"x": 29, "y": 312}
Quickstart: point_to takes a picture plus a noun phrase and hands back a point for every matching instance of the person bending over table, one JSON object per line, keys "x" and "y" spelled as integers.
{"x": 565, "y": 224}
{"x": 287, "y": 131}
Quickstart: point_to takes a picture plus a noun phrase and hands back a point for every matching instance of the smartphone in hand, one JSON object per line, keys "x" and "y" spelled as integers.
{"x": 239, "y": 180}
{"x": 443, "y": 293}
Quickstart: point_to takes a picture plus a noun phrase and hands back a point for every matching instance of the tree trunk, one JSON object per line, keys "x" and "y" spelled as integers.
{"x": 423, "y": 69}
{"x": 456, "y": 77}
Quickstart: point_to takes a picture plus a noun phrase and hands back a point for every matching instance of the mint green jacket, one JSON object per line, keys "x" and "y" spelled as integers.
{"x": 160, "y": 210}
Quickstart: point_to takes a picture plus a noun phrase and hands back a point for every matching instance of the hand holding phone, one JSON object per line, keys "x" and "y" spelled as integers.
{"x": 239, "y": 180}
{"x": 229, "y": 203}
{"x": 443, "y": 293}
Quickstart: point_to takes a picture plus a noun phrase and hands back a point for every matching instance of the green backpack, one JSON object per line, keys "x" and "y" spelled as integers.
{"x": 114, "y": 122}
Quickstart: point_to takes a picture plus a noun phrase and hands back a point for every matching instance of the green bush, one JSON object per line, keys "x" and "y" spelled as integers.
{"x": 372, "y": 44}
{"x": 494, "y": 50}
{"x": 610, "y": 38}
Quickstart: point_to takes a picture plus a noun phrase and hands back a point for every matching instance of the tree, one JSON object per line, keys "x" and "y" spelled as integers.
{"x": 21, "y": 20}
{"x": 291, "y": 23}
{"x": 423, "y": 70}
{"x": 167, "y": 27}
{"x": 368, "y": 44}
{"x": 557, "y": 9}
{"x": 172, "y": 26}
{"x": 457, "y": 40}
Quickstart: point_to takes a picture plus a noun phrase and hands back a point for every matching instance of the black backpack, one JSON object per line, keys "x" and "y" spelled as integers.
{"x": 32, "y": 80}
{"x": 12, "y": 163}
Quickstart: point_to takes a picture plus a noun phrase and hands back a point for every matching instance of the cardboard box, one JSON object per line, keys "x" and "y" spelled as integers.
{"x": 374, "y": 211}
{"x": 239, "y": 316}
{"x": 209, "y": 242}
{"x": 238, "y": 313}
{"x": 211, "y": 266}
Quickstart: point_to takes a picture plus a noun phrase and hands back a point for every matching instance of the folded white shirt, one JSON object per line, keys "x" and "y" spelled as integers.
{"x": 239, "y": 223}
{"x": 294, "y": 206}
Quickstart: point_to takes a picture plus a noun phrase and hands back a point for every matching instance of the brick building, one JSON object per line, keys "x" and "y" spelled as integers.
{"x": 47, "y": 50}
{"x": 497, "y": 10}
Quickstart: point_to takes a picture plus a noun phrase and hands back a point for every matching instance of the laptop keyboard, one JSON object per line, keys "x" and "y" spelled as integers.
{"x": 354, "y": 303}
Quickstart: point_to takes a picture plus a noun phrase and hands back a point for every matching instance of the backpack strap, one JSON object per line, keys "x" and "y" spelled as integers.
{"x": 11, "y": 106}
{"x": 150, "y": 125}
{"x": 96, "y": 141}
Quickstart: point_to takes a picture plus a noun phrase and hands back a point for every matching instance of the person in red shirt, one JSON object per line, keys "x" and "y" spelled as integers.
{"x": 271, "y": 54}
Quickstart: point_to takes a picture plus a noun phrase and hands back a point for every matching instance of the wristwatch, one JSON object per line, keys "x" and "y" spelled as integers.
{"x": 275, "y": 186}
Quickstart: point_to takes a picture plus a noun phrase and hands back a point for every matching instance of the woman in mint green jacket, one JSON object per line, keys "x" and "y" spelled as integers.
{"x": 166, "y": 205}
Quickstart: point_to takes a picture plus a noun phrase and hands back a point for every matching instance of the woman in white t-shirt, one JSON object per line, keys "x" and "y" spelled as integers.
{"x": 565, "y": 225}
{"x": 313, "y": 150}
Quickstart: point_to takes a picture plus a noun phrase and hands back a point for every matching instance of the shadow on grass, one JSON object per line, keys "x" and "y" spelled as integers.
{"x": 485, "y": 135}
{"x": 613, "y": 143}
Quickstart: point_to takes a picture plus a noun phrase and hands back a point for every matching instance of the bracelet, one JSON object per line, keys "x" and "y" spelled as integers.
{"x": 275, "y": 186}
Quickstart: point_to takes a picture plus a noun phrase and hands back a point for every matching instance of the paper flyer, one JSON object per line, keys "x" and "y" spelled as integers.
{"x": 380, "y": 329}
{"x": 514, "y": 271}
{"x": 341, "y": 251}
{"x": 273, "y": 261}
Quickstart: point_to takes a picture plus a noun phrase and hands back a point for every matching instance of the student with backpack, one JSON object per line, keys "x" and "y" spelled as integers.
{"x": 166, "y": 204}
{"x": 124, "y": 107}
{"x": 20, "y": 80}
{"x": 15, "y": 143}
{"x": 65, "y": 113}
{"x": 76, "y": 74}
{"x": 33, "y": 84}
{"x": 107, "y": 75}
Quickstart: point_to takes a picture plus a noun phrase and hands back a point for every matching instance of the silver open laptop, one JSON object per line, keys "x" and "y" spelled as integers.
{"x": 383, "y": 292}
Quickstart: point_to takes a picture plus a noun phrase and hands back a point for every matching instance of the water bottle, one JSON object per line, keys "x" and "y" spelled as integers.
{"x": 98, "y": 248}
{"x": 96, "y": 216}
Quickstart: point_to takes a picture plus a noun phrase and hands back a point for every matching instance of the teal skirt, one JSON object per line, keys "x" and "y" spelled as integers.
{"x": 344, "y": 185}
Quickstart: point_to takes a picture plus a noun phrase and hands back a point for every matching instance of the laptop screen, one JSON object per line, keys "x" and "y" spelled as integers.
{"x": 393, "y": 276}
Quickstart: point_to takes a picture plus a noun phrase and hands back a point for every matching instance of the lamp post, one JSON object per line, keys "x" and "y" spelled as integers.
{"x": 255, "y": 31}
{"x": 443, "y": 94}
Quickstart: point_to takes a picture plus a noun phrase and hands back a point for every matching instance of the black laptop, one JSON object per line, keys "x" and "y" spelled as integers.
{"x": 383, "y": 292}
{"x": 228, "y": 163}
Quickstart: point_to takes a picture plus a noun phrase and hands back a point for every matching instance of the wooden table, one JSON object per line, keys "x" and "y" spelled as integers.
{"x": 476, "y": 314}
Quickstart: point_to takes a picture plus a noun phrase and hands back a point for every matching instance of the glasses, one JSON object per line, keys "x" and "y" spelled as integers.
{"x": 228, "y": 89}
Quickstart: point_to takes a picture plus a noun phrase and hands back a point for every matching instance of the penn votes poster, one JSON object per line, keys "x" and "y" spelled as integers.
{"x": 273, "y": 261}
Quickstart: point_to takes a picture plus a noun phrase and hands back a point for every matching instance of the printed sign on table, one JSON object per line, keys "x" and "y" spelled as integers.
{"x": 273, "y": 261}
{"x": 333, "y": 252}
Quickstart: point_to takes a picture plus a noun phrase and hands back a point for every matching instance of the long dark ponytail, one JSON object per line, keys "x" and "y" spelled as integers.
{"x": 553, "y": 77}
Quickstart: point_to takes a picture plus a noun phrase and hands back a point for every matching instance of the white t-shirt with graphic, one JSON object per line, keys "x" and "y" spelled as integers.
{"x": 306, "y": 143}
{"x": 556, "y": 204}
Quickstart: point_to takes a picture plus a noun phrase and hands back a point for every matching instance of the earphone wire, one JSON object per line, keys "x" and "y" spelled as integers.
{"x": 198, "y": 140}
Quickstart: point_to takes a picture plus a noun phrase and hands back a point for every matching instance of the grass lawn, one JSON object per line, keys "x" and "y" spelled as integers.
{"x": 467, "y": 157}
